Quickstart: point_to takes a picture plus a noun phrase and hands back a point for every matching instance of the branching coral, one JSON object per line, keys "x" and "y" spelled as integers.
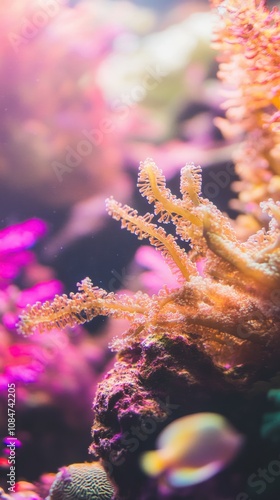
{"x": 217, "y": 330}
{"x": 247, "y": 39}
{"x": 232, "y": 300}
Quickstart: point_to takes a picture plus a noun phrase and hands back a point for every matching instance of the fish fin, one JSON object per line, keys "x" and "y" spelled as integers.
{"x": 152, "y": 463}
{"x": 187, "y": 476}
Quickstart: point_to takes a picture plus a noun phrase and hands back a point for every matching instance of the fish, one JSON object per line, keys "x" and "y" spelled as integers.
{"x": 192, "y": 449}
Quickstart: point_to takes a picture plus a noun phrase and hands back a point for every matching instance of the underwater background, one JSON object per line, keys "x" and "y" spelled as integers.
{"x": 89, "y": 89}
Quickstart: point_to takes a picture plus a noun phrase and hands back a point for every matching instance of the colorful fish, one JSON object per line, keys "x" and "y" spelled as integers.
{"x": 192, "y": 449}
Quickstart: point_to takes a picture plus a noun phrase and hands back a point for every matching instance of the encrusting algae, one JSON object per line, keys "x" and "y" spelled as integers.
{"x": 213, "y": 335}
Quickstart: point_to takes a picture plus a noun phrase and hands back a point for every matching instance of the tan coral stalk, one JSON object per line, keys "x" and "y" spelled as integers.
{"x": 229, "y": 306}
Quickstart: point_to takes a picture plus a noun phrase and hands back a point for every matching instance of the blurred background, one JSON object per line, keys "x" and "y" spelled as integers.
{"x": 89, "y": 89}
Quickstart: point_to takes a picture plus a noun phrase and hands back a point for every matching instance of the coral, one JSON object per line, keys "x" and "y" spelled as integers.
{"x": 247, "y": 38}
{"x": 74, "y": 482}
{"x": 211, "y": 335}
{"x": 81, "y": 482}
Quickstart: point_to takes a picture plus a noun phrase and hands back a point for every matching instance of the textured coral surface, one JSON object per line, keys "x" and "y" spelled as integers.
{"x": 81, "y": 482}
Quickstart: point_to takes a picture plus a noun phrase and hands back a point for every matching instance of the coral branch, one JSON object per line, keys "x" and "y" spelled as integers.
{"x": 142, "y": 227}
{"x": 247, "y": 38}
{"x": 82, "y": 307}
